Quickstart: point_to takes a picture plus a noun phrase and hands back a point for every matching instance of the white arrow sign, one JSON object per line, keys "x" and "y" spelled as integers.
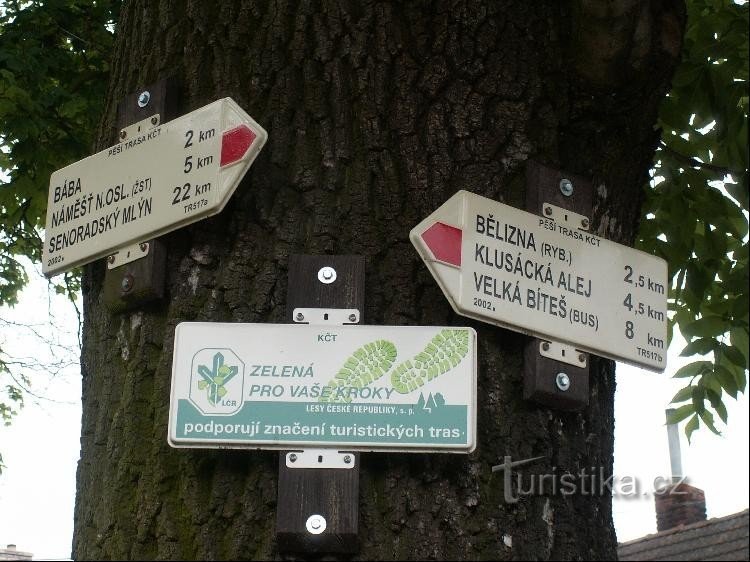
{"x": 547, "y": 277}
{"x": 157, "y": 179}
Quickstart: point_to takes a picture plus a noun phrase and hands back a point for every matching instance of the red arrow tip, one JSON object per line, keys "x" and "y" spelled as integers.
{"x": 444, "y": 241}
{"x": 234, "y": 144}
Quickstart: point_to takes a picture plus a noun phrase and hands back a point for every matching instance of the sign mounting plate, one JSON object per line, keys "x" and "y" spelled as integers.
{"x": 547, "y": 278}
{"x": 154, "y": 181}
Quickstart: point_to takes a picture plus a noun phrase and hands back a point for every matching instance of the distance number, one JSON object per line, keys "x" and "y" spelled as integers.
{"x": 181, "y": 193}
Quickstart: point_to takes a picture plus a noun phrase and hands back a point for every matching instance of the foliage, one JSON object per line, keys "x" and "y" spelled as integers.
{"x": 53, "y": 67}
{"x": 699, "y": 230}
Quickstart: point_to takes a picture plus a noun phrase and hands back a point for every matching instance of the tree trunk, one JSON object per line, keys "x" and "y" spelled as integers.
{"x": 377, "y": 112}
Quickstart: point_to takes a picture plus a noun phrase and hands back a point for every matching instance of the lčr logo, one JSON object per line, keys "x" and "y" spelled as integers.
{"x": 217, "y": 381}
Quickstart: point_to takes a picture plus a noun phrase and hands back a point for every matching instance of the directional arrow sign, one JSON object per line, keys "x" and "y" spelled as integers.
{"x": 157, "y": 179}
{"x": 547, "y": 278}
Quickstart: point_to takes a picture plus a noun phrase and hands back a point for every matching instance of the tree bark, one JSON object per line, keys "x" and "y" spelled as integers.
{"x": 377, "y": 112}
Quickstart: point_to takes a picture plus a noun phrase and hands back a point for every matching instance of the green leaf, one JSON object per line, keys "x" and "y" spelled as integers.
{"x": 682, "y": 395}
{"x": 727, "y": 380}
{"x": 711, "y": 383}
{"x": 699, "y": 347}
{"x": 698, "y": 397}
{"x": 679, "y": 414}
{"x": 709, "y": 326}
{"x": 691, "y": 426}
{"x": 721, "y": 410}
{"x": 693, "y": 369}
{"x": 734, "y": 355}
{"x": 708, "y": 419}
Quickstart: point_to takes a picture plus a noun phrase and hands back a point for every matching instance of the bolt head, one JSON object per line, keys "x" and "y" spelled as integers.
{"x": 327, "y": 275}
{"x": 566, "y": 187}
{"x": 292, "y": 458}
{"x": 143, "y": 246}
{"x": 315, "y": 524}
{"x": 347, "y": 459}
{"x": 545, "y": 346}
{"x": 123, "y": 134}
{"x": 582, "y": 357}
{"x": 585, "y": 223}
{"x": 111, "y": 259}
{"x": 127, "y": 283}
{"x": 562, "y": 380}
{"x": 154, "y": 120}
{"x": 300, "y": 317}
{"x": 352, "y": 318}
{"x": 548, "y": 211}
{"x": 144, "y": 98}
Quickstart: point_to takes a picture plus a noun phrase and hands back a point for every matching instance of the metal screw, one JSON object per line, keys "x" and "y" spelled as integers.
{"x": 315, "y": 524}
{"x": 548, "y": 211}
{"x": 144, "y": 98}
{"x": 127, "y": 283}
{"x": 292, "y": 457}
{"x": 566, "y": 187}
{"x": 585, "y": 222}
{"x": 327, "y": 275}
{"x": 545, "y": 346}
{"x": 143, "y": 246}
{"x": 154, "y": 120}
{"x": 347, "y": 459}
{"x": 352, "y": 318}
{"x": 123, "y": 134}
{"x": 582, "y": 357}
{"x": 111, "y": 259}
{"x": 300, "y": 317}
{"x": 562, "y": 381}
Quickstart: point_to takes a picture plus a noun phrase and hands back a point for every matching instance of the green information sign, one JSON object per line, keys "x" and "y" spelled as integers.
{"x": 358, "y": 388}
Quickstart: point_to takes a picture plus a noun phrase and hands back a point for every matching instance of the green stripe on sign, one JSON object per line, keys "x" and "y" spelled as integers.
{"x": 378, "y": 424}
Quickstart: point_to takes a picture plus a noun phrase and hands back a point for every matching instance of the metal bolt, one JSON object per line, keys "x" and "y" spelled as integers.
{"x": 127, "y": 283}
{"x": 292, "y": 457}
{"x": 143, "y": 246}
{"x": 566, "y": 187}
{"x": 582, "y": 357}
{"x": 347, "y": 459}
{"x": 144, "y": 98}
{"x": 315, "y": 524}
{"x": 111, "y": 259}
{"x": 123, "y": 134}
{"x": 548, "y": 211}
{"x": 352, "y": 318}
{"x": 585, "y": 222}
{"x": 327, "y": 275}
{"x": 545, "y": 346}
{"x": 154, "y": 120}
{"x": 562, "y": 381}
{"x": 300, "y": 317}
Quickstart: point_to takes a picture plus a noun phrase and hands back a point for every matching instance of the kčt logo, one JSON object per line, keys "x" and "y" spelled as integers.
{"x": 217, "y": 381}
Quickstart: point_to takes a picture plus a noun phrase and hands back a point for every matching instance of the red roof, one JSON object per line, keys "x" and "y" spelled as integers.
{"x": 722, "y": 538}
